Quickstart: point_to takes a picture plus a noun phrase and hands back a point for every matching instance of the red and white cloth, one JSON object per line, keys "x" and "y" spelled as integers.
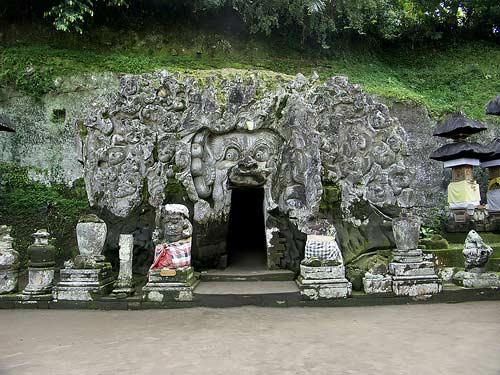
{"x": 172, "y": 255}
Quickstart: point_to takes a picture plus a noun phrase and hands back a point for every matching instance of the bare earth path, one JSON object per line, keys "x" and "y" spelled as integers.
{"x": 421, "y": 339}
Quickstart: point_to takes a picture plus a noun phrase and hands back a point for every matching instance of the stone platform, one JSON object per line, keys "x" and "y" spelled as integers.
{"x": 210, "y": 295}
{"x": 323, "y": 282}
{"x": 236, "y": 274}
{"x": 170, "y": 285}
{"x": 84, "y": 284}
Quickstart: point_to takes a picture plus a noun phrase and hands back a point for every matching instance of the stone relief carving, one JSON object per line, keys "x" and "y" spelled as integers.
{"x": 235, "y": 159}
{"x": 213, "y": 132}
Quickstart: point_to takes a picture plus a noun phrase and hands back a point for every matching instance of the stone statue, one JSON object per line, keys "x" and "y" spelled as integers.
{"x": 171, "y": 277}
{"x": 9, "y": 262}
{"x": 172, "y": 238}
{"x": 322, "y": 272}
{"x": 476, "y": 252}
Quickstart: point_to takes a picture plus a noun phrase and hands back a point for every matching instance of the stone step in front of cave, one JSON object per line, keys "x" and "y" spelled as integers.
{"x": 256, "y": 293}
{"x": 247, "y": 275}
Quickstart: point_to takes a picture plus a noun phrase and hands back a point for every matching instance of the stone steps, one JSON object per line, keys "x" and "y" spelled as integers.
{"x": 246, "y": 275}
{"x": 257, "y": 293}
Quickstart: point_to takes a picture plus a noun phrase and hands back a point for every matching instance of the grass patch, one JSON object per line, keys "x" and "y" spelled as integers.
{"x": 464, "y": 75}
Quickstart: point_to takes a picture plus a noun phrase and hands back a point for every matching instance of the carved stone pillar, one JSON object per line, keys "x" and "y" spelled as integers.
{"x": 124, "y": 283}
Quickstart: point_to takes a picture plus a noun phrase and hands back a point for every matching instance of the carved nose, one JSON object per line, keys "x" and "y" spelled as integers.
{"x": 247, "y": 163}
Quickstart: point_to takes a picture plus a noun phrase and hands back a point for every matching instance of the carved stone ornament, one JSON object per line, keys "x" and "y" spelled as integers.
{"x": 216, "y": 133}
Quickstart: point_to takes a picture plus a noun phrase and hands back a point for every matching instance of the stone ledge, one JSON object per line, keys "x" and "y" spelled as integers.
{"x": 450, "y": 294}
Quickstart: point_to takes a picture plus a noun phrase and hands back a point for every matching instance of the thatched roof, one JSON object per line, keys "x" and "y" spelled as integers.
{"x": 494, "y": 148}
{"x": 493, "y": 107}
{"x": 456, "y": 125}
{"x": 457, "y": 150}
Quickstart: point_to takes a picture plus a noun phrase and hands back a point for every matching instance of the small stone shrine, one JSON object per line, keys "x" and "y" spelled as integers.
{"x": 492, "y": 163}
{"x": 88, "y": 274}
{"x": 9, "y": 262}
{"x": 171, "y": 276}
{"x": 322, "y": 271}
{"x": 41, "y": 265}
{"x": 412, "y": 275}
{"x": 476, "y": 254}
{"x": 461, "y": 156}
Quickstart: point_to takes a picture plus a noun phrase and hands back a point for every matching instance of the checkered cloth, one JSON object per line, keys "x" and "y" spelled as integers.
{"x": 322, "y": 247}
{"x": 172, "y": 255}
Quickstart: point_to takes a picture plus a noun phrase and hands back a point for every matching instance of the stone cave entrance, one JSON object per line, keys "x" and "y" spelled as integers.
{"x": 246, "y": 240}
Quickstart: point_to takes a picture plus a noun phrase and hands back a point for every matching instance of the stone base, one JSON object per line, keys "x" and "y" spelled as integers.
{"x": 82, "y": 284}
{"x": 125, "y": 291}
{"x": 375, "y": 284}
{"x": 8, "y": 281}
{"x": 477, "y": 280}
{"x": 40, "y": 281}
{"x": 324, "y": 289}
{"x": 322, "y": 272}
{"x": 414, "y": 286}
{"x": 169, "y": 285}
{"x": 408, "y": 256}
{"x": 412, "y": 269}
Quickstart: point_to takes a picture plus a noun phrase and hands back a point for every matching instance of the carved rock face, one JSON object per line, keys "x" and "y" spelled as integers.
{"x": 237, "y": 132}
{"x": 239, "y": 158}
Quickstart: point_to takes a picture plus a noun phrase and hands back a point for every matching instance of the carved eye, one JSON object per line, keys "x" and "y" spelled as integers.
{"x": 232, "y": 154}
{"x": 261, "y": 154}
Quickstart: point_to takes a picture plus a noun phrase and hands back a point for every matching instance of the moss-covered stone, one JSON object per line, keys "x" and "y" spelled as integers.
{"x": 29, "y": 205}
{"x": 435, "y": 242}
{"x": 330, "y": 199}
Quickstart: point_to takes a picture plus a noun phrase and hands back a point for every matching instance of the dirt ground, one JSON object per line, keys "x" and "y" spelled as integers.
{"x": 419, "y": 339}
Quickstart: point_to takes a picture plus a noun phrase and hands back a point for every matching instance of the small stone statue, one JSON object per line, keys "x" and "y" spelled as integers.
{"x": 9, "y": 262}
{"x": 171, "y": 277}
{"x": 172, "y": 238}
{"x": 41, "y": 265}
{"x": 476, "y": 252}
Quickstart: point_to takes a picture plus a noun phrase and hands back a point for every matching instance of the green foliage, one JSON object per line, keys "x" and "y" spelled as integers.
{"x": 29, "y": 206}
{"x": 443, "y": 77}
{"x": 319, "y": 21}
{"x": 70, "y": 15}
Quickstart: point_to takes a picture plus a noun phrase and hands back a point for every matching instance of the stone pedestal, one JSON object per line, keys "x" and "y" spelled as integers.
{"x": 78, "y": 284}
{"x": 412, "y": 275}
{"x": 376, "y": 284}
{"x": 9, "y": 262}
{"x": 41, "y": 265}
{"x": 88, "y": 274}
{"x": 170, "y": 285}
{"x": 322, "y": 272}
{"x": 124, "y": 283}
{"x": 323, "y": 282}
